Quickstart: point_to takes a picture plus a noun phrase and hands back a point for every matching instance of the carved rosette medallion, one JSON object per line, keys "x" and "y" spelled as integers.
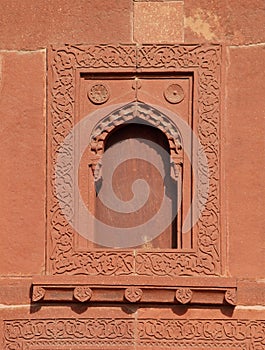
{"x": 183, "y": 295}
{"x": 231, "y": 296}
{"x": 133, "y": 294}
{"x": 82, "y": 293}
{"x": 174, "y": 93}
{"x": 98, "y": 94}
{"x": 38, "y": 293}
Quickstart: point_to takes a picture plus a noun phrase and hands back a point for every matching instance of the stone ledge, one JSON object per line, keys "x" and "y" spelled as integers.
{"x": 203, "y": 291}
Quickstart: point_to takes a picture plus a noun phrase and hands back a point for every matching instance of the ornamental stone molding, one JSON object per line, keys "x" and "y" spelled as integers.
{"x": 80, "y": 333}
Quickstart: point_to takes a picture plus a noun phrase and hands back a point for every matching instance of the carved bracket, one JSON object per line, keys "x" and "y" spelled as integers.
{"x": 184, "y": 295}
{"x": 82, "y": 293}
{"x": 38, "y": 293}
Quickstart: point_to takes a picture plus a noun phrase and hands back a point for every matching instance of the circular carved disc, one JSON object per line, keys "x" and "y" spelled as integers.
{"x": 174, "y": 93}
{"x": 98, "y": 94}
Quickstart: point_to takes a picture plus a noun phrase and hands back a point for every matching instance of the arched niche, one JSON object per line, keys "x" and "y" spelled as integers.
{"x": 132, "y": 122}
{"x": 137, "y": 113}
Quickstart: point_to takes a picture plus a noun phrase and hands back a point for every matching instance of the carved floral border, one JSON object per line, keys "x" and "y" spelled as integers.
{"x": 63, "y": 64}
{"x": 129, "y": 333}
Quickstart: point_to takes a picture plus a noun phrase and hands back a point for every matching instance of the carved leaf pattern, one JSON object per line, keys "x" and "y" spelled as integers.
{"x": 64, "y": 61}
{"x": 76, "y": 333}
{"x": 183, "y": 295}
{"x": 133, "y": 294}
{"x": 38, "y": 293}
{"x": 24, "y": 334}
{"x": 231, "y": 296}
{"x": 129, "y": 112}
{"x": 82, "y": 293}
{"x": 202, "y": 333}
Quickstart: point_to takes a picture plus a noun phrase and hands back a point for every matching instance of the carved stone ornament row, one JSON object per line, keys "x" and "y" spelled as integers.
{"x": 84, "y": 333}
{"x": 64, "y": 63}
{"x": 134, "y": 294}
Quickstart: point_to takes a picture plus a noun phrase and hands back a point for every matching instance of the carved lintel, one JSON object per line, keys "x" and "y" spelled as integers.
{"x": 83, "y": 293}
{"x": 38, "y": 293}
{"x": 231, "y": 296}
{"x": 184, "y": 295}
{"x": 133, "y": 294}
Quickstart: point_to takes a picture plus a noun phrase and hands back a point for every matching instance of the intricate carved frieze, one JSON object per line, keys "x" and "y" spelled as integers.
{"x": 127, "y": 114}
{"x": 65, "y": 63}
{"x": 178, "y": 333}
{"x": 209, "y": 334}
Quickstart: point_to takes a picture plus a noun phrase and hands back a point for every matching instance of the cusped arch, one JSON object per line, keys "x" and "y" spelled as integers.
{"x": 135, "y": 112}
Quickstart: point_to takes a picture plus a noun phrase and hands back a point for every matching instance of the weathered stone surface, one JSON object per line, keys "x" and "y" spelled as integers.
{"x": 251, "y": 292}
{"x": 56, "y": 320}
{"x": 158, "y": 22}
{"x": 23, "y": 162}
{"x": 14, "y": 291}
{"x": 32, "y": 25}
{"x": 244, "y": 161}
{"x": 239, "y": 22}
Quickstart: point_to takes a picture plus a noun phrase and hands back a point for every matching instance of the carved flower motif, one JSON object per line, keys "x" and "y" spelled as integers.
{"x": 205, "y": 240}
{"x": 82, "y": 293}
{"x": 231, "y": 297}
{"x": 133, "y": 294}
{"x": 183, "y": 295}
{"x": 38, "y": 293}
{"x": 66, "y": 79}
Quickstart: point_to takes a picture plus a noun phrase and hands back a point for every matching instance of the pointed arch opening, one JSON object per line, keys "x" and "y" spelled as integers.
{"x": 130, "y": 125}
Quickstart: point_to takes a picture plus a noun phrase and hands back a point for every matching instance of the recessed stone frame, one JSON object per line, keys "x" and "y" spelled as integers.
{"x": 65, "y": 64}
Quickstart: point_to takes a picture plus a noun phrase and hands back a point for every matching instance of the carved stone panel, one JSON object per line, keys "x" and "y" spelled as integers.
{"x": 81, "y": 80}
{"x": 122, "y": 333}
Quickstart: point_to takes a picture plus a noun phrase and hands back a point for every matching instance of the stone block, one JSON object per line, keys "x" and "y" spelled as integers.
{"x": 158, "y": 22}
{"x": 244, "y": 161}
{"x": 32, "y": 25}
{"x": 240, "y": 22}
{"x": 23, "y": 162}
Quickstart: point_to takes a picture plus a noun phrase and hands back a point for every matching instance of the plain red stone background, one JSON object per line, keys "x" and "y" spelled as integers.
{"x": 28, "y": 27}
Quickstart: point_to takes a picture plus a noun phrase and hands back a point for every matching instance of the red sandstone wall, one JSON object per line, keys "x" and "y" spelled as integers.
{"x": 28, "y": 27}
